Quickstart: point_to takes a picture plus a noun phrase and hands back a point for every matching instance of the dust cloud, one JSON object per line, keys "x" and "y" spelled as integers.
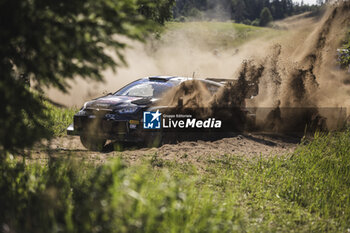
{"x": 305, "y": 75}
{"x": 295, "y": 69}
{"x": 299, "y": 80}
{"x": 192, "y": 50}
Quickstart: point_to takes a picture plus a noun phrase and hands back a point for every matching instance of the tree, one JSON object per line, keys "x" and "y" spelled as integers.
{"x": 238, "y": 10}
{"x": 265, "y": 17}
{"x": 159, "y": 11}
{"x": 53, "y": 41}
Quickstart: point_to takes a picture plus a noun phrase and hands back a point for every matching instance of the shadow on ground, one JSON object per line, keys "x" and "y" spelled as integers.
{"x": 267, "y": 139}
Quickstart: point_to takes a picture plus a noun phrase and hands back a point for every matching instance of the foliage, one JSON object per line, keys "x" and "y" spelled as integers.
{"x": 61, "y": 117}
{"x": 317, "y": 176}
{"x": 112, "y": 198}
{"x": 218, "y": 35}
{"x": 344, "y": 52}
{"x": 21, "y": 115}
{"x": 160, "y": 11}
{"x": 306, "y": 191}
{"x": 247, "y": 22}
{"x": 265, "y": 17}
{"x": 50, "y": 42}
{"x": 256, "y": 22}
{"x": 239, "y": 10}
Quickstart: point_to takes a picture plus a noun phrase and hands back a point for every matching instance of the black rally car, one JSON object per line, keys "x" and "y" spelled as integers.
{"x": 118, "y": 116}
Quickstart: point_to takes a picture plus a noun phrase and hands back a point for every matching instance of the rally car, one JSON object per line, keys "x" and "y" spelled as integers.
{"x": 119, "y": 116}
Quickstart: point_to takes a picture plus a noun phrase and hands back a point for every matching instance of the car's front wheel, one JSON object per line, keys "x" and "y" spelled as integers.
{"x": 94, "y": 144}
{"x": 154, "y": 140}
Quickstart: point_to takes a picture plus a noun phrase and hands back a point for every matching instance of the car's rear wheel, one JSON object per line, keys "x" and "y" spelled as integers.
{"x": 94, "y": 144}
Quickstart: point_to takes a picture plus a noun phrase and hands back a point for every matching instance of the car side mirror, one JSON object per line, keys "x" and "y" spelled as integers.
{"x": 180, "y": 102}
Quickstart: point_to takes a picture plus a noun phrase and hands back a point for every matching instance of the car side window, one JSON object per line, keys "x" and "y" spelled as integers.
{"x": 143, "y": 90}
{"x": 212, "y": 88}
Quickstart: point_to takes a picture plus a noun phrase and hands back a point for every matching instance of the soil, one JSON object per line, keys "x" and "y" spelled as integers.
{"x": 195, "y": 152}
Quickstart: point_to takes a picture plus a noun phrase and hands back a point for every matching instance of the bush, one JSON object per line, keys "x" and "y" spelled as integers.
{"x": 265, "y": 17}
{"x": 247, "y": 22}
{"x": 182, "y": 19}
{"x": 66, "y": 197}
{"x": 256, "y": 23}
{"x": 61, "y": 118}
{"x": 344, "y": 52}
{"x": 307, "y": 191}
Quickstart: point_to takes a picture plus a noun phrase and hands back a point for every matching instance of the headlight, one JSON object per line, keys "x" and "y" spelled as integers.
{"x": 127, "y": 110}
{"x": 82, "y": 112}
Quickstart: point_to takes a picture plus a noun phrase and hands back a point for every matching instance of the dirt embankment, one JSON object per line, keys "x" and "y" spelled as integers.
{"x": 196, "y": 152}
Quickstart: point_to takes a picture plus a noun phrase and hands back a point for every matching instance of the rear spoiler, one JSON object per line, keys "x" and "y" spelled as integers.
{"x": 221, "y": 80}
{"x": 159, "y": 79}
{"x": 253, "y": 87}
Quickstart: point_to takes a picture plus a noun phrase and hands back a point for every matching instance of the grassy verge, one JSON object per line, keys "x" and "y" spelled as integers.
{"x": 61, "y": 118}
{"x": 215, "y": 35}
{"x": 306, "y": 191}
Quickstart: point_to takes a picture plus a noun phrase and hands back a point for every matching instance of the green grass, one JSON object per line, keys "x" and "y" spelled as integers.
{"x": 112, "y": 198}
{"x": 219, "y": 34}
{"x": 61, "y": 118}
{"x": 306, "y": 191}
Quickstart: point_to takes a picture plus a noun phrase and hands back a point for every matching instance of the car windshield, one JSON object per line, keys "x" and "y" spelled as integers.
{"x": 145, "y": 88}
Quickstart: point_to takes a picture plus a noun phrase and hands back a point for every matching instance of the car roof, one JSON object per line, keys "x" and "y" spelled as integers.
{"x": 166, "y": 78}
{"x": 181, "y": 79}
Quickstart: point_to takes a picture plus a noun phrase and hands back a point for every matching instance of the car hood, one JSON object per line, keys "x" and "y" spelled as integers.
{"x": 114, "y": 102}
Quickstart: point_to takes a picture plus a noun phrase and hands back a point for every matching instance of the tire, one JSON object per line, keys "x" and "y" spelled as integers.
{"x": 154, "y": 140}
{"x": 94, "y": 144}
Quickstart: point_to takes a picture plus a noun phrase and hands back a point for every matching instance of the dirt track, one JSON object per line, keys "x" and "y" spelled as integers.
{"x": 195, "y": 152}
{"x": 299, "y": 71}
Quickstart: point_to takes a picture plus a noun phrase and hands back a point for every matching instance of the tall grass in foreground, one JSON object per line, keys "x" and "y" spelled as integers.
{"x": 307, "y": 191}
{"x": 69, "y": 198}
{"x": 317, "y": 176}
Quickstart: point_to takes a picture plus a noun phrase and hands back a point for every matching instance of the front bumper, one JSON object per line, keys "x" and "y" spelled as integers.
{"x": 122, "y": 130}
{"x": 70, "y": 131}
